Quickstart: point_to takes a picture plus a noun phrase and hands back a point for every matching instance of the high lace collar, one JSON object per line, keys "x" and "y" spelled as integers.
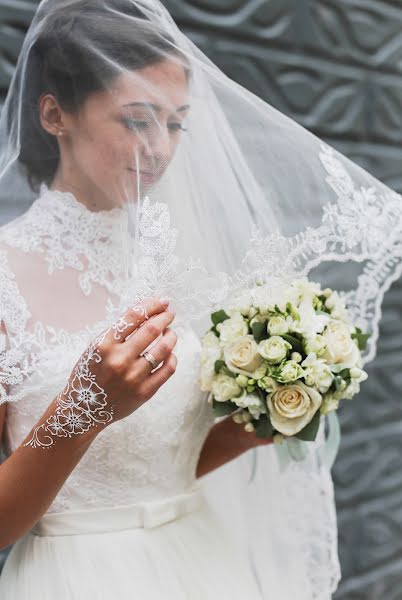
{"x": 64, "y": 204}
{"x": 70, "y": 235}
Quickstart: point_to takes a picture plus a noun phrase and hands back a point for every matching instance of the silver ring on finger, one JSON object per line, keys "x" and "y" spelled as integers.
{"x": 151, "y": 359}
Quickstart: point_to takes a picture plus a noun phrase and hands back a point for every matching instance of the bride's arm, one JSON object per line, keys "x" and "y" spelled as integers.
{"x": 226, "y": 441}
{"x": 31, "y": 478}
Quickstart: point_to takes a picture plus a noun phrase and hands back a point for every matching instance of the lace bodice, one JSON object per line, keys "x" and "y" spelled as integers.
{"x": 61, "y": 277}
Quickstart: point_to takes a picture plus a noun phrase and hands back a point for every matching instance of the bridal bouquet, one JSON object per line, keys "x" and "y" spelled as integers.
{"x": 278, "y": 359}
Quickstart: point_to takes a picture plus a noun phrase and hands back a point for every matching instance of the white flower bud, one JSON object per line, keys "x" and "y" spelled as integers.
{"x": 296, "y": 356}
{"x": 249, "y": 427}
{"x": 355, "y": 373}
{"x": 327, "y": 292}
{"x": 242, "y": 380}
{"x": 238, "y": 418}
{"x": 278, "y": 438}
{"x": 246, "y": 417}
{"x": 343, "y": 385}
{"x": 329, "y": 303}
{"x": 309, "y": 380}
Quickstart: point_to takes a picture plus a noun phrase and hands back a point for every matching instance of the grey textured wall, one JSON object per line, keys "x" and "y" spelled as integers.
{"x": 335, "y": 66}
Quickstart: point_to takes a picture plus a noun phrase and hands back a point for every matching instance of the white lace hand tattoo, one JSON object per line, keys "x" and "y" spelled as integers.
{"x": 82, "y": 403}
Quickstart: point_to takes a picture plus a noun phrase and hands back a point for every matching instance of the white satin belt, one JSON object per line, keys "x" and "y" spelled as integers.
{"x": 101, "y": 520}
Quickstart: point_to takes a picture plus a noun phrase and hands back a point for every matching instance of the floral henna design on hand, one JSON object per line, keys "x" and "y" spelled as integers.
{"x": 82, "y": 403}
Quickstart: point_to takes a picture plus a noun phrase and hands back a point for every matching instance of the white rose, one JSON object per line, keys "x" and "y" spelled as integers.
{"x": 315, "y": 344}
{"x": 225, "y": 388}
{"x": 340, "y": 348}
{"x": 241, "y": 356}
{"x": 291, "y": 371}
{"x": 211, "y": 352}
{"x": 292, "y": 407}
{"x": 232, "y": 328}
{"x": 277, "y": 325}
{"x": 253, "y": 403}
{"x": 274, "y": 349}
{"x": 318, "y": 373}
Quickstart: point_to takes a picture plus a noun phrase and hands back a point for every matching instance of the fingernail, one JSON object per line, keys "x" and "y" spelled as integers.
{"x": 165, "y": 302}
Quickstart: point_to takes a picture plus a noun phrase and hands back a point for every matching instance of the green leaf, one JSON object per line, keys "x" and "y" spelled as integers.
{"x": 338, "y": 382}
{"x": 218, "y": 365}
{"x": 294, "y": 342}
{"x": 259, "y": 329}
{"x": 219, "y": 316}
{"x": 361, "y": 338}
{"x": 309, "y": 433}
{"x": 263, "y": 427}
{"x": 222, "y": 409}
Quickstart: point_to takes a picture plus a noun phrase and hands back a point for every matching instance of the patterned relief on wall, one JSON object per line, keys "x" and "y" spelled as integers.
{"x": 15, "y": 16}
{"x": 336, "y": 67}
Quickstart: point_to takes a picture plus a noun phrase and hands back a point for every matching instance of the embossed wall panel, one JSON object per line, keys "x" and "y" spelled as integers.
{"x": 336, "y": 67}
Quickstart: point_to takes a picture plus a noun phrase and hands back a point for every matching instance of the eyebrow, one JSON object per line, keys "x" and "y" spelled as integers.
{"x": 154, "y": 107}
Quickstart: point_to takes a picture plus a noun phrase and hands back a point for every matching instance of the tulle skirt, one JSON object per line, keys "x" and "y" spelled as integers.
{"x": 175, "y": 549}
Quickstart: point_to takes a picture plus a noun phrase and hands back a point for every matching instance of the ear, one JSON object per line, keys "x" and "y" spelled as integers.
{"x": 51, "y": 115}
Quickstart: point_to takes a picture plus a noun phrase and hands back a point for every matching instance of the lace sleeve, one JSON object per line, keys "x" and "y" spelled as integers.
{"x": 14, "y": 366}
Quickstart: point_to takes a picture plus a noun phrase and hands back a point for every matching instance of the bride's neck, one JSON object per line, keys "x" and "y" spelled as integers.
{"x": 83, "y": 190}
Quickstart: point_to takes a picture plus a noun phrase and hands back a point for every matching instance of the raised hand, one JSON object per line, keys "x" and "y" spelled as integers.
{"x": 115, "y": 375}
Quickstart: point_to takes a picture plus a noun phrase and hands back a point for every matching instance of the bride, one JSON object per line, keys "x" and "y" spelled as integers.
{"x": 157, "y": 189}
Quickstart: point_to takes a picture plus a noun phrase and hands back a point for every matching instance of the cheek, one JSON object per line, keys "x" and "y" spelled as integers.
{"x": 105, "y": 151}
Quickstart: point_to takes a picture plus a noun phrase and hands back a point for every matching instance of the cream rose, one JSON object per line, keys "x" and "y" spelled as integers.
{"x": 340, "y": 348}
{"x": 274, "y": 349}
{"x": 232, "y": 328}
{"x": 241, "y": 356}
{"x": 225, "y": 388}
{"x": 292, "y": 407}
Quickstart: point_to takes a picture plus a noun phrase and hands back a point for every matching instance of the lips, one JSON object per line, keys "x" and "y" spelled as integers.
{"x": 145, "y": 176}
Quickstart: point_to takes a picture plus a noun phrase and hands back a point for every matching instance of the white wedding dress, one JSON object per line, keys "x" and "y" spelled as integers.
{"x": 131, "y": 521}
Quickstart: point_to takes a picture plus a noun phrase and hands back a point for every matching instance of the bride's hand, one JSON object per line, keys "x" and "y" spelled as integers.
{"x": 112, "y": 376}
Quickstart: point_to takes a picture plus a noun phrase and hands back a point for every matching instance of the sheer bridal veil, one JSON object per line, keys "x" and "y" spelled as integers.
{"x": 215, "y": 191}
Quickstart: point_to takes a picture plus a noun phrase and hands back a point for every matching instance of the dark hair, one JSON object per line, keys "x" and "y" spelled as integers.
{"x": 80, "y": 50}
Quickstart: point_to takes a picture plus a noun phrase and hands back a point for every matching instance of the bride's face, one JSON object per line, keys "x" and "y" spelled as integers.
{"x": 122, "y": 140}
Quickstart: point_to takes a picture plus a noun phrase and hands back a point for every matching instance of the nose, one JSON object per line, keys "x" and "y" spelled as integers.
{"x": 157, "y": 144}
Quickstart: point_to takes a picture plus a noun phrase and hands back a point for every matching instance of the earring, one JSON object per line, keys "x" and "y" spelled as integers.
{"x": 59, "y": 133}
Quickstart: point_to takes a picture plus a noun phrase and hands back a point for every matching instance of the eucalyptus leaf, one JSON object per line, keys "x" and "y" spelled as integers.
{"x": 218, "y": 365}
{"x": 361, "y": 339}
{"x": 263, "y": 428}
{"x": 296, "y": 344}
{"x": 259, "y": 329}
{"x": 222, "y": 409}
{"x": 219, "y": 317}
{"x": 309, "y": 433}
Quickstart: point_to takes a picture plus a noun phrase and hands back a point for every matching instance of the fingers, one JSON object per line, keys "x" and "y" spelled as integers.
{"x": 161, "y": 351}
{"x": 156, "y": 379}
{"x": 134, "y": 317}
{"x": 150, "y": 331}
